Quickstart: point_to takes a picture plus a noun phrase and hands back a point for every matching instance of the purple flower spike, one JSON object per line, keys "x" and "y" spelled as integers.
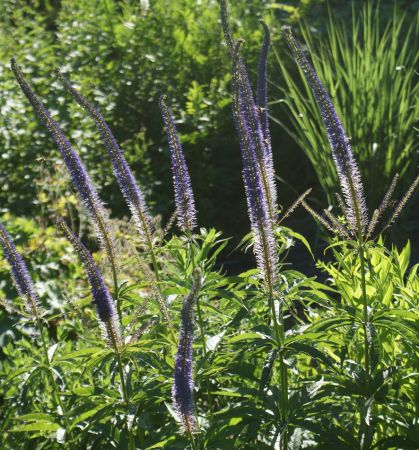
{"x": 347, "y": 169}
{"x": 101, "y": 297}
{"x": 185, "y": 203}
{"x": 182, "y": 391}
{"x": 126, "y": 180}
{"x": 262, "y": 84}
{"x": 257, "y": 201}
{"x": 75, "y": 166}
{"x": 255, "y": 113}
{"x": 20, "y": 275}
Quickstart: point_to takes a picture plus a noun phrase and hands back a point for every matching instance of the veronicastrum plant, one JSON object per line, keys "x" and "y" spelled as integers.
{"x": 182, "y": 355}
{"x": 356, "y": 230}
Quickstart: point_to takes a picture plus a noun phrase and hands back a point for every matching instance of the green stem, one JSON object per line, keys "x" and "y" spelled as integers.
{"x": 279, "y": 332}
{"x": 55, "y": 389}
{"x": 157, "y": 275}
{"x": 365, "y": 320}
{"x": 192, "y": 440}
{"x": 201, "y": 325}
{"x": 125, "y": 396}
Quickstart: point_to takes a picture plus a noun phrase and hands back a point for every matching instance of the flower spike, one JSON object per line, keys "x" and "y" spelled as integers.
{"x": 75, "y": 166}
{"x": 101, "y": 297}
{"x": 347, "y": 169}
{"x": 185, "y": 203}
{"x": 126, "y": 180}
{"x": 256, "y": 111}
{"x": 20, "y": 275}
{"x": 257, "y": 202}
{"x": 182, "y": 391}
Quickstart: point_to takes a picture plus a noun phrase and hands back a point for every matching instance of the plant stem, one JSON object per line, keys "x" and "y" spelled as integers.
{"x": 55, "y": 389}
{"x": 365, "y": 319}
{"x": 279, "y": 332}
{"x": 125, "y": 395}
{"x": 191, "y": 256}
{"x": 156, "y": 274}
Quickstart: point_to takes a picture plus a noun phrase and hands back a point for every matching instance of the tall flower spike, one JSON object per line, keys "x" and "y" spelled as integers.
{"x": 101, "y": 297}
{"x": 20, "y": 275}
{"x": 75, "y": 166}
{"x": 256, "y": 114}
{"x": 126, "y": 180}
{"x": 347, "y": 169}
{"x": 185, "y": 203}
{"x": 182, "y": 391}
{"x": 262, "y": 84}
{"x": 257, "y": 203}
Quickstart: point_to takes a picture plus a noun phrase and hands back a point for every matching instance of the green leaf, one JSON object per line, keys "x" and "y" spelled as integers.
{"x": 302, "y": 239}
{"x": 36, "y": 426}
{"x": 267, "y": 369}
{"x": 82, "y": 352}
{"x": 312, "y": 352}
{"x": 374, "y": 345}
{"x": 87, "y": 414}
{"x": 248, "y": 337}
{"x": 227, "y": 393}
{"x": 36, "y": 416}
{"x": 162, "y": 444}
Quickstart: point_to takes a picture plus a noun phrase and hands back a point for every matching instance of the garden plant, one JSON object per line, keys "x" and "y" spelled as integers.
{"x": 145, "y": 341}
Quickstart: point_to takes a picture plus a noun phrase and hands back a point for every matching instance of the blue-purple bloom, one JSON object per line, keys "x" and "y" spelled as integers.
{"x": 79, "y": 175}
{"x": 184, "y": 198}
{"x": 262, "y": 104}
{"x": 126, "y": 180}
{"x": 256, "y": 113}
{"x": 347, "y": 169}
{"x": 257, "y": 202}
{"x": 20, "y": 275}
{"x": 101, "y": 296}
{"x": 183, "y": 385}
{"x": 254, "y": 138}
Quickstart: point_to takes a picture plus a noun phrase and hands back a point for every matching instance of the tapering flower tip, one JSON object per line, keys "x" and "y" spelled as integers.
{"x": 256, "y": 198}
{"x": 126, "y": 180}
{"x": 20, "y": 275}
{"x": 262, "y": 83}
{"x": 253, "y": 127}
{"x": 347, "y": 169}
{"x": 226, "y": 28}
{"x": 184, "y": 198}
{"x": 182, "y": 391}
{"x": 79, "y": 176}
{"x": 101, "y": 297}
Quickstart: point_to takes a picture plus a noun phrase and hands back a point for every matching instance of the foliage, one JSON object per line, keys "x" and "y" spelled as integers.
{"x": 236, "y": 380}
